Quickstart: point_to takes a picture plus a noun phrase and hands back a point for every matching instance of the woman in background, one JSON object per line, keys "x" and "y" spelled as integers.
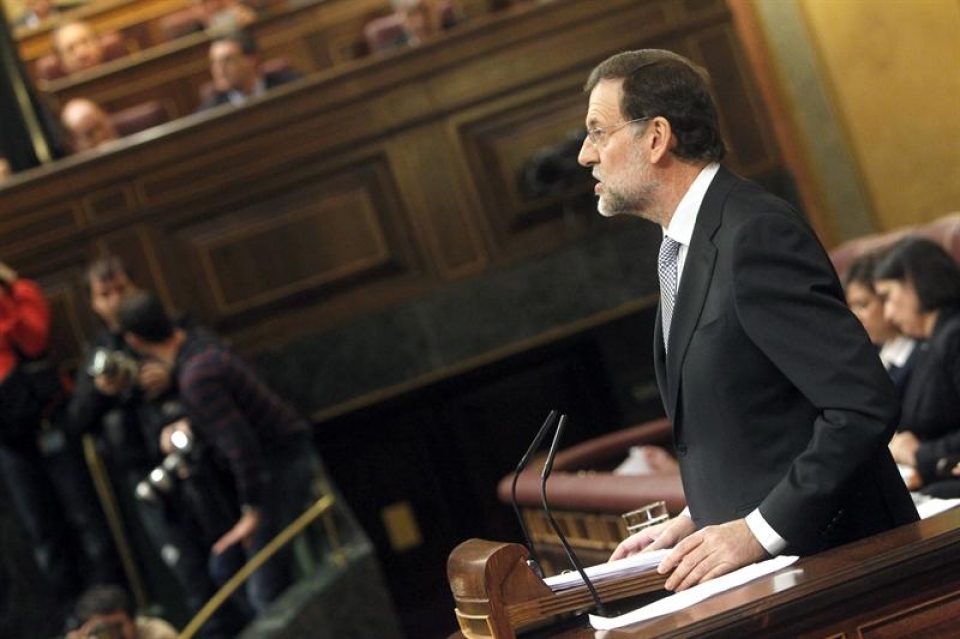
{"x": 920, "y": 287}
{"x": 897, "y": 351}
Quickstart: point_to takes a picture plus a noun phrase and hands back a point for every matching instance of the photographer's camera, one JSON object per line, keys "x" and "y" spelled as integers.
{"x": 117, "y": 366}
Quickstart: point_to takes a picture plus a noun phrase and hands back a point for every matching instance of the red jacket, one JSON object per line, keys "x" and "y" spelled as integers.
{"x": 24, "y": 323}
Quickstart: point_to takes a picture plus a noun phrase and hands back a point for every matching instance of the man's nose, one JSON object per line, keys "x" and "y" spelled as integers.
{"x": 588, "y": 154}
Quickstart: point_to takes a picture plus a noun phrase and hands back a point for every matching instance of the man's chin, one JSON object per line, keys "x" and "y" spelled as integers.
{"x": 607, "y": 210}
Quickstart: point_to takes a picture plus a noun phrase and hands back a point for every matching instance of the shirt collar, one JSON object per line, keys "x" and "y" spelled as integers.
{"x": 685, "y": 217}
{"x": 239, "y": 97}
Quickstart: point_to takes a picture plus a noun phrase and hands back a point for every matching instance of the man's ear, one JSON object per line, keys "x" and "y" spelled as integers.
{"x": 662, "y": 140}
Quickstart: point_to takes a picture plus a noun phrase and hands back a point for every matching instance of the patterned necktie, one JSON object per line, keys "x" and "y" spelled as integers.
{"x": 667, "y": 268}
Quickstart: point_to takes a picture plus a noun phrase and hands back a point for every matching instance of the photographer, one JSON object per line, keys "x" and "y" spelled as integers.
{"x": 41, "y": 464}
{"x": 127, "y": 402}
{"x": 257, "y": 435}
{"x": 106, "y": 612}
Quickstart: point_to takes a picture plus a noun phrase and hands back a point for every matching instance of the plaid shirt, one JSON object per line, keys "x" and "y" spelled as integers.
{"x": 231, "y": 409}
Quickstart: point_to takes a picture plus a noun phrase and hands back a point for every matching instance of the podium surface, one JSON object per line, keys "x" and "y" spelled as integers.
{"x": 903, "y": 583}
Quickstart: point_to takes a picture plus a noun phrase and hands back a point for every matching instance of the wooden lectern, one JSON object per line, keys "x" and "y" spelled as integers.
{"x": 901, "y": 583}
{"x": 497, "y": 594}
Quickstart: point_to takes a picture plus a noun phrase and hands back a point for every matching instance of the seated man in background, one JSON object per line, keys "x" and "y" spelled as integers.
{"x": 106, "y": 612}
{"x": 258, "y": 437}
{"x": 87, "y": 124}
{"x": 220, "y": 16}
{"x": 77, "y": 46}
{"x": 236, "y": 72}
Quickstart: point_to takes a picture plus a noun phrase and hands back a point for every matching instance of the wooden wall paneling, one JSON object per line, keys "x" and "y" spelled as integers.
{"x": 499, "y": 140}
{"x": 330, "y": 231}
{"x": 424, "y": 161}
{"x": 25, "y": 231}
{"x": 172, "y": 72}
{"x": 499, "y": 68}
{"x": 745, "y": 122}
{"x": 321, "y": 243}
{"x": 114, "y": 201}
{"x": 934, "y": 618}
{"x": 446, "y": 127}
{"x": 71, "y": 318}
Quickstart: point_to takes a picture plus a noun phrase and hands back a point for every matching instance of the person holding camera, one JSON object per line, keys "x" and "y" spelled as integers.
{"x": 40, "y": 462}
{"x": 106, "y": 612}
{"x": 255, "y": 433}
{"x": 127, "y": 401}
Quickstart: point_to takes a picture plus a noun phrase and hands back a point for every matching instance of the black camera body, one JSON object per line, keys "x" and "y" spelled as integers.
{"x": 178, "y": 464}
{"x": 116, "y": 365}
{"x": 190, "y": 481}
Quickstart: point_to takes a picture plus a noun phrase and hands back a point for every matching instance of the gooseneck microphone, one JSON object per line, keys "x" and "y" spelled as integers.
{"x": 547, "y": 468}
{"x": 547, "y": 425}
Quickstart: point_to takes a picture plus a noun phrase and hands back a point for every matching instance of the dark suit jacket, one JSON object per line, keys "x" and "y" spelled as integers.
{"x": 270, "y": 80}
{"x": 931, "y": 400}
{"x": 777, "y": 397}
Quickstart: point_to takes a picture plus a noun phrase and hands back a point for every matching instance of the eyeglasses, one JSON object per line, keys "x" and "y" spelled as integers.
{"x": 599, "y": 136}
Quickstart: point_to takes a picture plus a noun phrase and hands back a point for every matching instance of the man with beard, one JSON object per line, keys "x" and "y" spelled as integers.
{"x": 780, "y": 407}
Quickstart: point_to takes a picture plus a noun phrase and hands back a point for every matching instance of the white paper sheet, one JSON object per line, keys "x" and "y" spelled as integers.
{"x": 693, "y": 595}
{"x": 934, "y": 506}
{"x": 601, "y": 572}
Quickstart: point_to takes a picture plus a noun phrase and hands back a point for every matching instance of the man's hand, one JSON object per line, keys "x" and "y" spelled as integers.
{"x": 242, "y": 531}
{"x": 154, "y": 379}
{"x": 913, "y": 480}
{"x": 709, "y": 553}
{"x": 903, "y": 447}
{"x": 109, "y": 386}
{"x": 7, "y": 275}
{"x": 166, "y": 443}
{"x": 656, "y": 537}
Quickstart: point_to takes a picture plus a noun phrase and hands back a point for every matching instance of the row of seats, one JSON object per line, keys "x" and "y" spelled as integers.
{"x": 382, "y": 32}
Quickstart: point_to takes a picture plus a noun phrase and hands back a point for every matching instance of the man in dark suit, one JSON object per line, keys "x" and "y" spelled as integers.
{"x": 781, "y": 408}
{"x": 236, "y": 71}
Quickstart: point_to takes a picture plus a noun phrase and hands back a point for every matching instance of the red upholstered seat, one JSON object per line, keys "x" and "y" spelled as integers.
{"x": 384, "y": 33}
{"x": 180, "y": 23}
{"x": 944, "y": 230}
{"x": 581, "y": 477}
{"x": 139, "y": 117}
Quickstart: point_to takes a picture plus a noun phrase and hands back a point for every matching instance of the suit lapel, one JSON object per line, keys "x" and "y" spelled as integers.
{"x": 694, "y": 283}
{"x": 660, "y": 364}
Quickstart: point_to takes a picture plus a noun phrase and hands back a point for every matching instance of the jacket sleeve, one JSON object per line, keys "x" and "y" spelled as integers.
{"x": 790, "y": 305}
{"x": 932, "y": 450}
{"x": 25, "y": 318}
{"x": 87, "y": 405}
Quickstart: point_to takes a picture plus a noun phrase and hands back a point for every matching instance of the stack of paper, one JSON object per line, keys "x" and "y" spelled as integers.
{"x": 638, "y": 563}
{"x": 693, "y": 595}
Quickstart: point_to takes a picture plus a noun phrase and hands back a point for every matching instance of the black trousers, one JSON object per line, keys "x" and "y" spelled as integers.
{"x": 56, "y": 502}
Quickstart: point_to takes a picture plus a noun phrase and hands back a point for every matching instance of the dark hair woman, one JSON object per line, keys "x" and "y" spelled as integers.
{"x": 920, "y": 285}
